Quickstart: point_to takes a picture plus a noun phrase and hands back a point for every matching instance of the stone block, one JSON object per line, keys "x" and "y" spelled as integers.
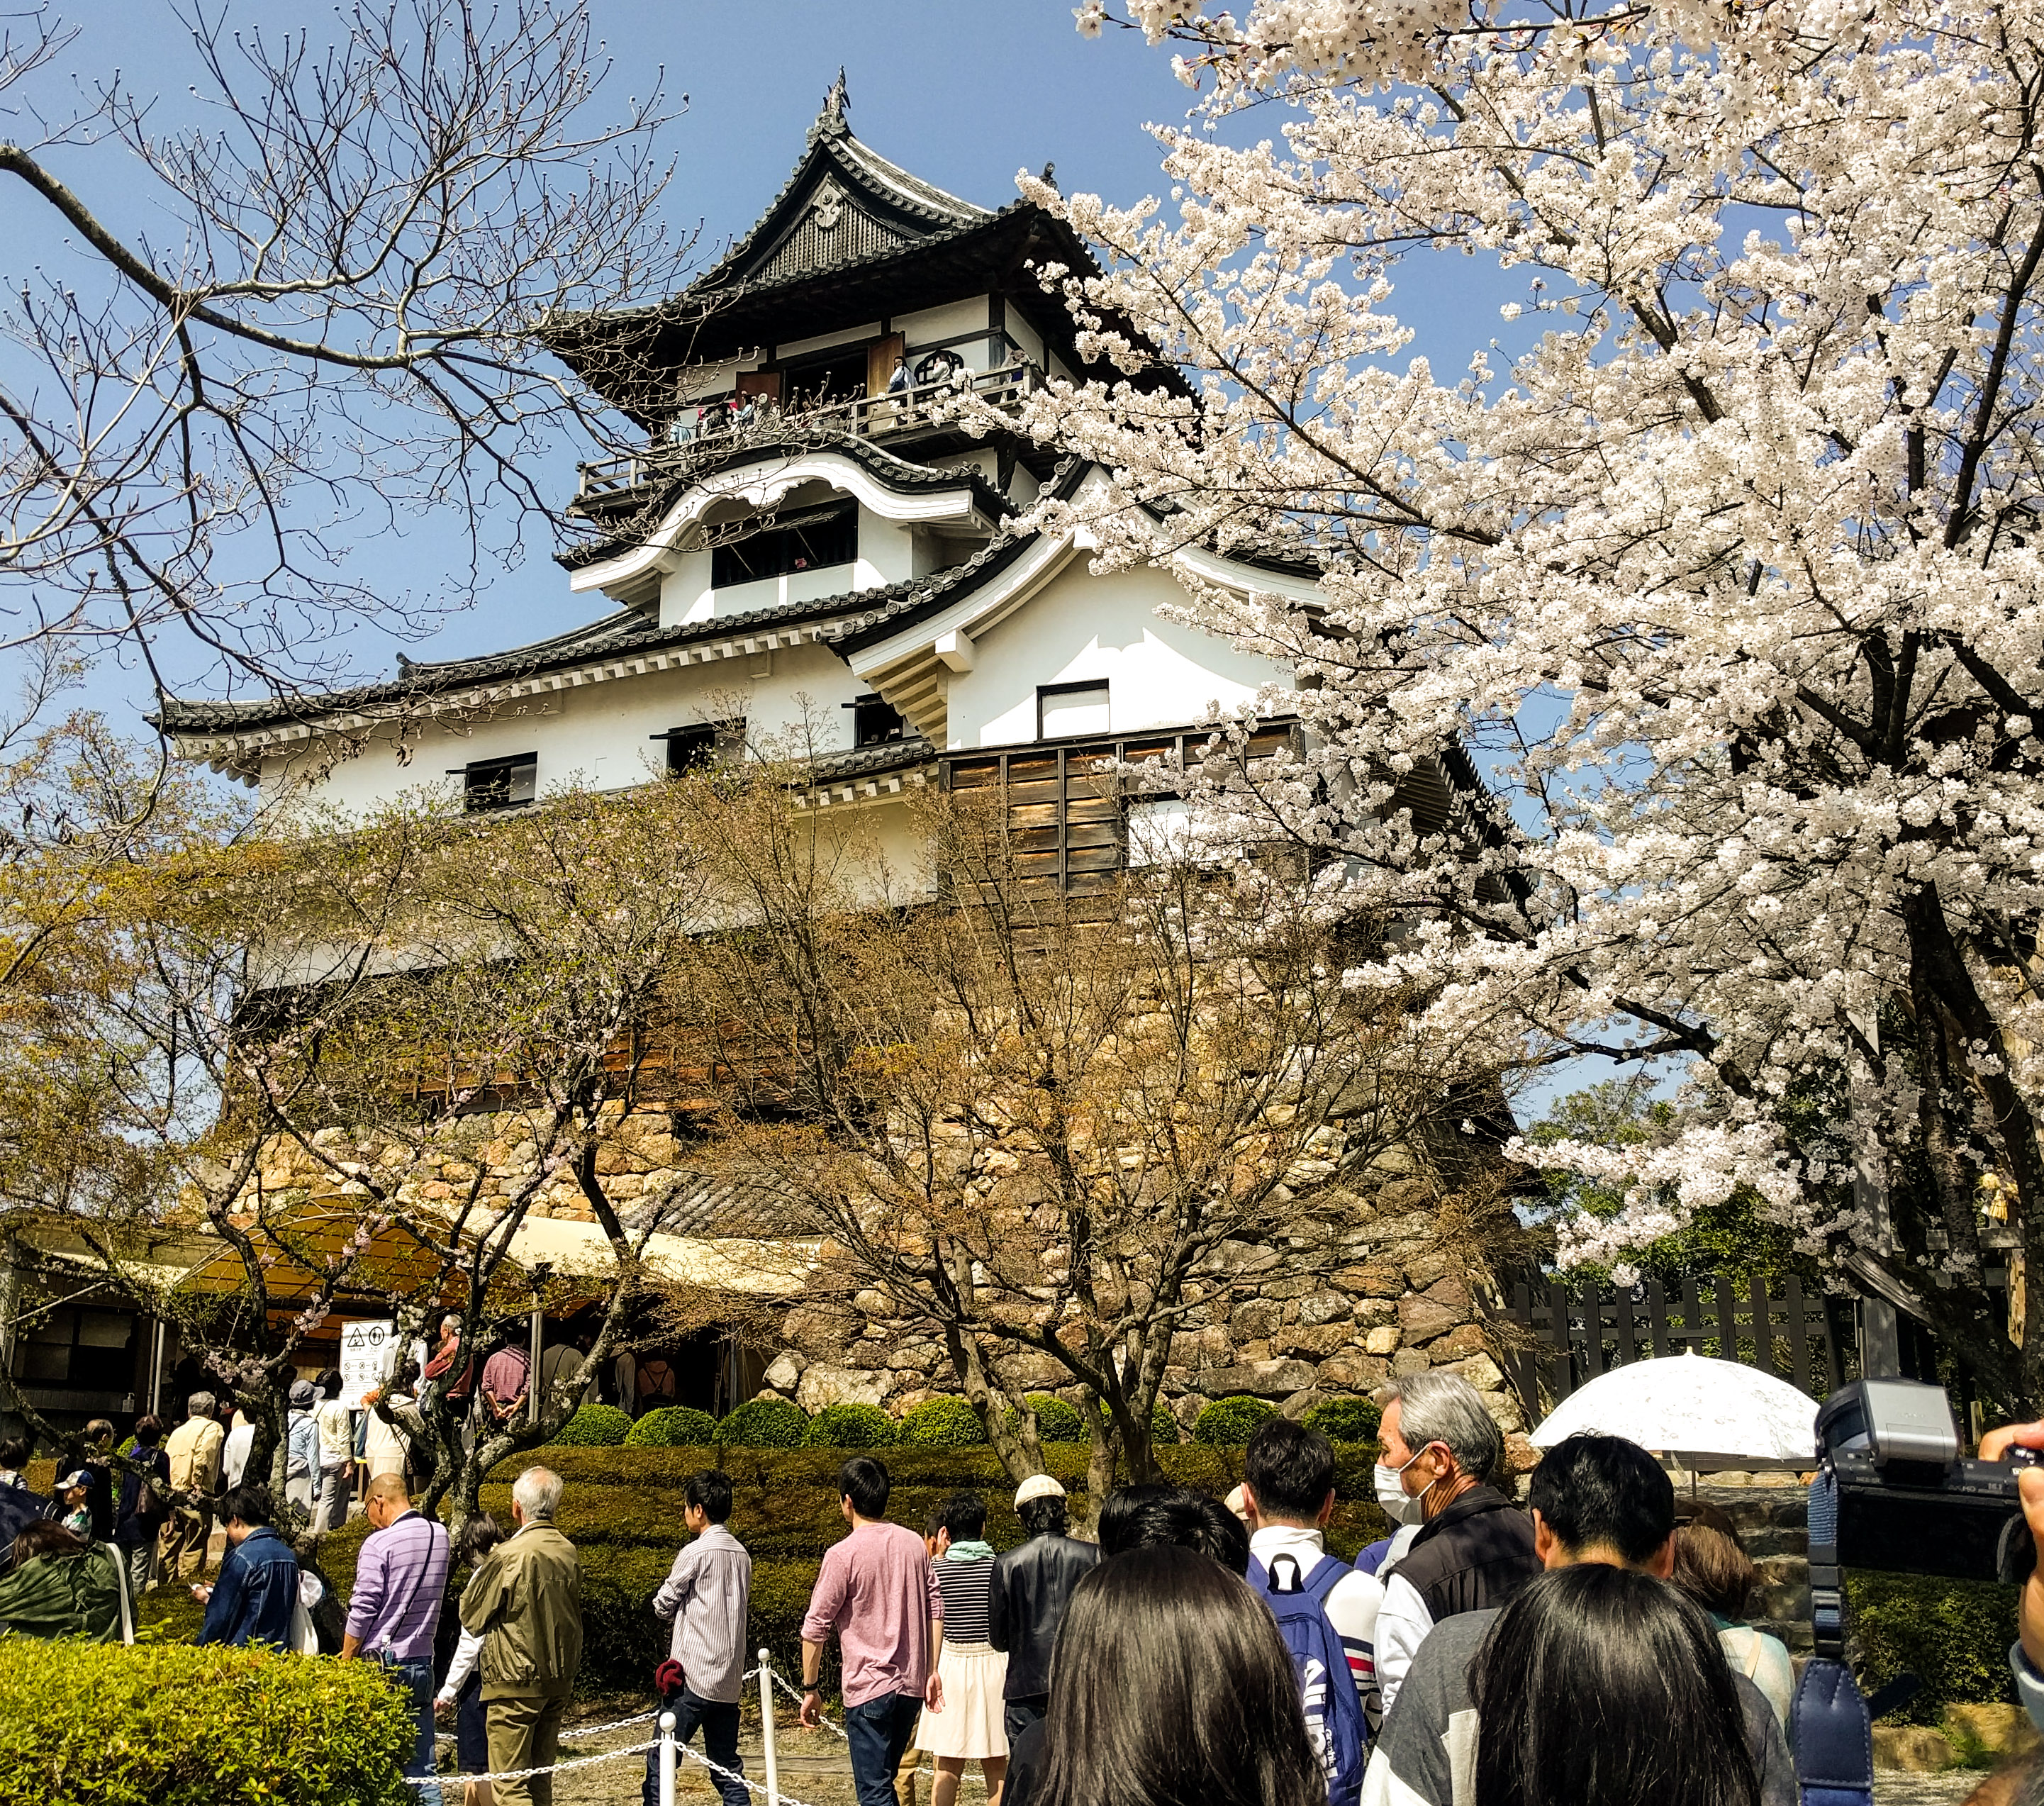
{"x": 1784, "y": 1587}
{"x": 1503, "y": 1411}
{"x": 1260, "y": 1379}
{"x": 1372, "y": 1279}
{"x": 1915, "y": 1749}
{"x": 1520, "y": 1456}
{"x": 1460, "y": 1342}
{"x": 822, "y": 1385}
{"x": 1426, "y": 1267}
{"x": 1259, "y": 1350}
{"x": 1316, "y": 1341}
{"x": 784, "y": 1370}
{"x": 1240, "y": 1258}
{"x": 1480, "y": 1370}
{"x": 1296, "y": 1287}
{"x": 873, "y": 1304}
{"x": 1451, "y": 1292}
{"x": 1253, "y": 1320}
{"x": 1325, "y": 1307}
{"x": 1353, "y": 1373}
{"x": 1408, "y": 1361}
{"x": 1382, "y": 1340}
{"x": 1372, "y": 1311}
{"x": 1421, "y": 1319}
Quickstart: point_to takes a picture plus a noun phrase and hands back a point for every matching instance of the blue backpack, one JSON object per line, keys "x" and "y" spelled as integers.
{"x": 1334, "y": 1713}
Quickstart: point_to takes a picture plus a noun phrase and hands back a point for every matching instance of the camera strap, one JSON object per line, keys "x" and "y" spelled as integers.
{"x": 1830, "y": 1732}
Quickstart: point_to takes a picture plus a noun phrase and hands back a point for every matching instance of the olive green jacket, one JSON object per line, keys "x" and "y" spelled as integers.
{"x": 64, "y": 1596}
{"x": 525, "y": 1603}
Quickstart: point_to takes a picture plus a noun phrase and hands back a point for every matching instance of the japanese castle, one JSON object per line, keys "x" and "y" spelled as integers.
{"x": 808, "y": 548}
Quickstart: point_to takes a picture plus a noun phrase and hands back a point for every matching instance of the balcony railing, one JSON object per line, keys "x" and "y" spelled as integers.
{"x": 876, "y": 417}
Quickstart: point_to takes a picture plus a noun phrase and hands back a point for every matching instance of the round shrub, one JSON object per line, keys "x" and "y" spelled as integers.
{"x": 1056, "y": 1421}
{"x": 1229, "y": 1423}
{"x": 943, "y": 1424}
{"x": 1345, "y": 1420}
{"x": 673, "y": 1427}
{"x": 595, "y": 1427}
{"x": 177, "y": 1726}
{"x": 850, "y": 1427}
{"x": 1164, "y": 1431}
{"x": 763, "y": 1424}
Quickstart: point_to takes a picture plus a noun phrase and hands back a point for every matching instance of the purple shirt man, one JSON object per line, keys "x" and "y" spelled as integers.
{"x": 400, "y": 1581}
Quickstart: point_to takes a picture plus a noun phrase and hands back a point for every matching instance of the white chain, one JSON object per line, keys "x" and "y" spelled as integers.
{"x": 522, "y": 1774}
{"x": 571, "y": 1730}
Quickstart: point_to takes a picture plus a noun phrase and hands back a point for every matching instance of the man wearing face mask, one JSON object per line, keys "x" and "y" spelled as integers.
{"x": 1474, "y": 1548}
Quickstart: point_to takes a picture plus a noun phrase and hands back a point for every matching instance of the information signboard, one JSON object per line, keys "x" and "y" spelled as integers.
{"x": 368, "y": 1357}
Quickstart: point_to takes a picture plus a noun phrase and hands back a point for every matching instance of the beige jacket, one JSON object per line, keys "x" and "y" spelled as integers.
{"x": 525, "y": 1603}
{"x": 193, "y": 1451}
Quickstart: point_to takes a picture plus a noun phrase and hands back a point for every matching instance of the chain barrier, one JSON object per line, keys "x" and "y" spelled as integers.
{"x": 545, "y": 1768}
{"x": 576, "y": 1731}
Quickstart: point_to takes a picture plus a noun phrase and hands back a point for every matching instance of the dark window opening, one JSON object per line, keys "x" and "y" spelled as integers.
{"x": 874, "y": 723}
{"x": 829, "y": 536}
{"x": 841, "y": 377}
{"x": 499, "y": 783}
{"x": 704, "y": 747}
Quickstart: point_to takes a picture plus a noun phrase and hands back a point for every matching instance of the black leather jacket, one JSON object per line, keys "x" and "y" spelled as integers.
{"x": 1026, "y": 1603}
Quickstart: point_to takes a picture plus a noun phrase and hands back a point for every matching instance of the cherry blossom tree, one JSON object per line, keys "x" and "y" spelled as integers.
{"x": 1725, "y": 558}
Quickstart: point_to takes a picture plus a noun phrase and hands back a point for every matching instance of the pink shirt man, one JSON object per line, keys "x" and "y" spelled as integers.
{"x": 877, "y": 1591}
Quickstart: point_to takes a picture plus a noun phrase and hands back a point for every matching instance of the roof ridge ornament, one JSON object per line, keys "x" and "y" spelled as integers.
{"x": 837, "y": 103}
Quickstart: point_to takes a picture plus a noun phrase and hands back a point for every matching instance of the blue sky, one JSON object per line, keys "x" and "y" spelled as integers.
{"x": 962, "y": 92}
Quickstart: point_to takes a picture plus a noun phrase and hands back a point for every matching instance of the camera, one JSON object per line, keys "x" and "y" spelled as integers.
{"x": 1907, "y": 1500}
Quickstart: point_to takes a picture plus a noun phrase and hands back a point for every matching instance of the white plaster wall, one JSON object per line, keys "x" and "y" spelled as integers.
{"x": 1025, "y": 334}
{"x": 685, "y": 595}
{"x": 1081, "y": 628}
{"x": 886, "y": 552}
{"x": 934, "y": 323}
{"x": 596, "y": 734}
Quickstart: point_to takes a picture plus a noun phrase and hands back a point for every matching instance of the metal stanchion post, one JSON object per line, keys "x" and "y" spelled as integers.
{"x": 666, "y": 1758}
{"x": 766, "y": 1728}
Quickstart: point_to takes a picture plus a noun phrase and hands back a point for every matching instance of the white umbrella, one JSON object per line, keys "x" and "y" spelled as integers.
{"x": 1707, "y": 1413}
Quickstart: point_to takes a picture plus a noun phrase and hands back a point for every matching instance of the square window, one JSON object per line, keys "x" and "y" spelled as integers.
{"x": 1064, "y": 709}
{"x": 499, "y": 783}
{"x": 704, "y": 747}
{"x": 874, "y": 723}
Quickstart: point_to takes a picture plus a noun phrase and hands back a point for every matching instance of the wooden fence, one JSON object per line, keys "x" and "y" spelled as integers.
{"x": 1566, "y": 1336}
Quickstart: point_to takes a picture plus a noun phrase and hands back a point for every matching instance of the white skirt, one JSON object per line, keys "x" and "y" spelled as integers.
{"x": 970, "y": 1725}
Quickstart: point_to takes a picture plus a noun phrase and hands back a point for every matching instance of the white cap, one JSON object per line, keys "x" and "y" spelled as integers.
{"x": 1037, "y": 1486}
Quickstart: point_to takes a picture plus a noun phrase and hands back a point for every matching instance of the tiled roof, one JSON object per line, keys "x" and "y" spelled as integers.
{"x": 890, "y": 755}
{"x": 623, "y": 633}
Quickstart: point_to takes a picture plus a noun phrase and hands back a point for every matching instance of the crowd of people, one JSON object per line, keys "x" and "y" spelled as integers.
{"x": 1588, "y": 1650}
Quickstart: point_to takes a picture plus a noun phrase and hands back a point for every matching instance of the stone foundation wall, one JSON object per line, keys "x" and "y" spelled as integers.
{"x": 1330, "y": 1314}
{"x": 1397, "y": 1303}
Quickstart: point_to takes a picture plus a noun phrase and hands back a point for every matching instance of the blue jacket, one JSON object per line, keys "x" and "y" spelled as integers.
{"x": 252, "y": 1600}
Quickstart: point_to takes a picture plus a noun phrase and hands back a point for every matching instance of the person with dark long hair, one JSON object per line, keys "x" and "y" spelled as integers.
{"x": 1170, "y": 1686}
{"x": 1599, "y": 1685}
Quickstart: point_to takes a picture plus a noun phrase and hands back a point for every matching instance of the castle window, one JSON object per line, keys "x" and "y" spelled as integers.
{"x": 704, "y": 747}
{"x": 874, "y": 723}
{"x": 499, "y": 783}
{"x": 810, "y": 542}
{"x": 839, "y": 378}
{"x": 1063, "y": 709}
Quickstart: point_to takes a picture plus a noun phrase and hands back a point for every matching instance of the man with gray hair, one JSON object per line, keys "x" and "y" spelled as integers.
{"x": 525, "y": 1603}
{"x": 193, "y": 1456}
{"x": 1474, "y": 1548}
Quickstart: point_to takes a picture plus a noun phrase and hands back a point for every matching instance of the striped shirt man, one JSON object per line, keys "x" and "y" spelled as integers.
{"x": 400, "y": 1579}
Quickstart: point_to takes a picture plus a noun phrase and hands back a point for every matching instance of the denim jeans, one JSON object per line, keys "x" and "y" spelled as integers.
{"x": 471, "y": 1727}
{"x": 879, "y": 1731}
{"x": 416, "y": 1679}
{"x": 719, "y": 1729}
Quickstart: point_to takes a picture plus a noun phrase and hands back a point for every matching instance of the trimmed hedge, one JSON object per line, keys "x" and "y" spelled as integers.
{"x": 1056, "y": 1421}
{"x": 672, "y": 1426}
{"x": 850, "y": 1427}
{"x": 1345, "y": 1420}
{"x": 166, "y": 1726}
{"x": 595, "y": 1425}
{"x": 942, "y": 1423}
{"x": 763, "y": 1424}
{"x": 1953, "y": 1635}
{"x": 1229, "y": 1423}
